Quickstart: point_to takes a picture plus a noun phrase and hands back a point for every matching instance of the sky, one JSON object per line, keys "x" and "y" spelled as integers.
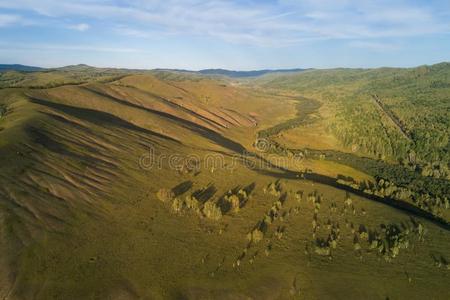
{"x": 231, "y": 34}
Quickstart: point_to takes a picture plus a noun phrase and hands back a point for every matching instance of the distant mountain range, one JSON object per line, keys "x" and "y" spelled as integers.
{"x": 235, "y": 74}
{"x": 240, "y": 74}
{"x": 21, "y": 68}
{"x": 216, "y": 72}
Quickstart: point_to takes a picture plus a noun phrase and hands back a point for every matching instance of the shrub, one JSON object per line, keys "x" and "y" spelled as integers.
{"x": 420, "y": 230}
{"x": 363, "y": 234}
{"x": 312, "y": 198}
{"x": 394, "y": 250}
{"x": 268, "y": 219}
{"x": 177, "y": 205}
{"x": 235, "y": 202}
{"x": 333, "y": 207}
{"x": 356, "y": 244}
{"x": 192, "y": 203}
{"x": 324, "y": 251}
{"x": 314, "y": 224}
{"x": 348, "y": 201}
{"x": 299, "y": 195}
{"x": 243, "y": 194}
{"x": 279, "y": 233}
{"x": 328, "y": 224}
{"x": 211, "y": 211}
{"x": 274, "y": 189}
{"x": 2, "y": 111}
{"x": 255, "y": 235}
{"x": 165, "y": 195}
{"x": 322, "y": 248}
{"x": 374, "y": 244}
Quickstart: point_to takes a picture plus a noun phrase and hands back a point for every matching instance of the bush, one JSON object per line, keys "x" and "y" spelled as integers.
{"x": 211, "y": 211}
{"x": 274, "y": 189}
{"x": 2, "y": 111}
{"x": 356, "y": 244}
{"x": 363, "y": 234}
{"x": 333, "y": 244}
{"x": 374, "y": 244}
{"x": 322, "y": 248}
{"x": 255, "y": 235}
{"x": 311, "y": 197}
{"x": 235, "y": 202}
{"x": 279, "y": 233}
{"x": 243, "y": 194}
{"x": 268, "y": 218}
{"x": 192, "y": 203}
{"x": 348, "y": 201}
{"x": 165, "y": 195}
{"x": 323, "y": 251}
{"x": 177, "y": 205}
{"x": 299, "y": 195}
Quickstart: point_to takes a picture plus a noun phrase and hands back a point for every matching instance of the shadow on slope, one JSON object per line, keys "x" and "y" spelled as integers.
{"x": 207, "y": 133}
{"x": 97, "y": 117}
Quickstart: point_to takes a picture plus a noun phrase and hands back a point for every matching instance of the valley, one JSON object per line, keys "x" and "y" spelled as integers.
{"x": 163, "y": 184}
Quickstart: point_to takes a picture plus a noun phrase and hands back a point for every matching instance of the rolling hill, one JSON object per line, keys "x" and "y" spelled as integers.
{"x": 128, "y": 184}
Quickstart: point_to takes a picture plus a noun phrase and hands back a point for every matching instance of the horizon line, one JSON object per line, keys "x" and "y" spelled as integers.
{"x": 287, "y": 69}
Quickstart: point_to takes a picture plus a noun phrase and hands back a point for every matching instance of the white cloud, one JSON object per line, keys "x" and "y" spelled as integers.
{"x": 7, "y": 20}
{"x": 133, "y": 32}
{"x": 66, "y": 47}
{"x": 375, "y": 46}
{"x": 281, "y": 23}
{"x": 80, "y": 27}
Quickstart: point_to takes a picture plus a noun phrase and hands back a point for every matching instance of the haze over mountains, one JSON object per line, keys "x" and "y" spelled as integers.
{"x": 220, "y": 72}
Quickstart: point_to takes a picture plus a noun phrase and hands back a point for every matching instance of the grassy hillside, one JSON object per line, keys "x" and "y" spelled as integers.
{"x": 121, "y": 184}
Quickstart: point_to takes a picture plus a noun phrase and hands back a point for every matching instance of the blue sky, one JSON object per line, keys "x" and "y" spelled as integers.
{"x": 232, "y": 34}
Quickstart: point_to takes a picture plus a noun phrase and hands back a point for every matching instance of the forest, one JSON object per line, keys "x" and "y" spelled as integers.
{"x": 401, "y": 116}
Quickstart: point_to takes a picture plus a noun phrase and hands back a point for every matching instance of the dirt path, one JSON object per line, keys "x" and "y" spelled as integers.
{"x": 395, "y": 120}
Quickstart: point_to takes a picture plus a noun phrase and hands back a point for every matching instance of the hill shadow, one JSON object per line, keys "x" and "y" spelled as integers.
{"x": 97, "y": 117}
{"x": 207, "y": 133}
